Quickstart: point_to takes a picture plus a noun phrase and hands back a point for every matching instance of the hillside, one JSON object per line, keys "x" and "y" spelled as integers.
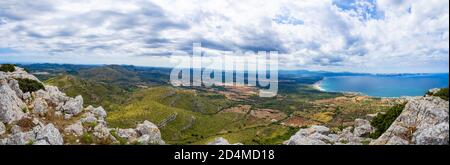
{"x": 94, "y": 93}
{"x": 34, "y": 114}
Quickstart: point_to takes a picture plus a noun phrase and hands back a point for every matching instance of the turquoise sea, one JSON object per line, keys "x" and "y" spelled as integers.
{"x": 386, "y": 85}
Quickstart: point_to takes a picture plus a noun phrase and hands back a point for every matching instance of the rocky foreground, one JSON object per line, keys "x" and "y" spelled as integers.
{"x": 49, "y": 117}
{"x": 423, "y": 121}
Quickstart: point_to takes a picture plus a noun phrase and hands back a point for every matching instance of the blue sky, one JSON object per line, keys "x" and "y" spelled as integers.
{"x": 377, "y": 36}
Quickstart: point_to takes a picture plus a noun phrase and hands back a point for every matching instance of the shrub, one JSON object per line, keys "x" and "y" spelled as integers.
{"x": 87, "y": 138}
{"x": 28, "y": 85}
{"x": 7, "y": 68}
{"x": 443, "y": 94}
{"x": 383, "y": 121}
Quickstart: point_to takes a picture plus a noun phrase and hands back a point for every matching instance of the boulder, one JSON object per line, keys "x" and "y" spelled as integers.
{"x": 2, "y": 128}
{"x": 21, "y": 138}
{"x": 148, "y": 128}
{"x": 219, "y": 141}
{"x": 362, "y": 128}
{"x": 424, "y": 120}
{"x": 50, "y": 134}
{"x": 14, "y": 85}
{"x": 128, "y": 134}
{"x": 99, "y": 111}
{"x": 436, "y": 134}
{"x": 73, "y": 106}
{"x": 39, "y": 106}
{"x": 11, "y": 106}
{"x": 75, "y": 128}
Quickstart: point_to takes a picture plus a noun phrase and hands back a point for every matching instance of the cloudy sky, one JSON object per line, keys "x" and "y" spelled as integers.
{"x": 379, "y": 36}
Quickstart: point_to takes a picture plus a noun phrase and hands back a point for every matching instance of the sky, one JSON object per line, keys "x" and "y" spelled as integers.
{"x": 374, "y": 36}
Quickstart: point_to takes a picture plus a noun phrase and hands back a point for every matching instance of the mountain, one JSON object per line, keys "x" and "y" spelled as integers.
{"x": 47, "y": 116}
{"x": 94, "y": 93}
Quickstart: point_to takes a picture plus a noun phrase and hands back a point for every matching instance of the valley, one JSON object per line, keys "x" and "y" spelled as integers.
{"x": 198, "y": 115}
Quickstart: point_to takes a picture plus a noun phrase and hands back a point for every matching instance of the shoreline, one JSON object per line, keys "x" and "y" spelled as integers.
{"x": 317, "y": 86}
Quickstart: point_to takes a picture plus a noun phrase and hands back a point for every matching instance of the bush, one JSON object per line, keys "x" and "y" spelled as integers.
{"x": 383, "y": 121}
{"x": 443, "y": 94}
{"x": 87, "y": 138}
{"x": 7, "y": 68}
{"x": 28, "y": 85}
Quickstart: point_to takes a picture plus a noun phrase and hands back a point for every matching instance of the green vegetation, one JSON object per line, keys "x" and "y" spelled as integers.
{"x": 28, "y": 85}
{"x": 383, "y": 121}
{"x": 94, "y": 93}
{"x": 442, "y": 93}
{"x": 87, "y": 138}
{"x": 196, "y": 115}
{"x": 7, "y": 68}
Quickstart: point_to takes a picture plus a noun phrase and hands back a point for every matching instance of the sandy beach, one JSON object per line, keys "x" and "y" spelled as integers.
{"x": 317, "y": 86}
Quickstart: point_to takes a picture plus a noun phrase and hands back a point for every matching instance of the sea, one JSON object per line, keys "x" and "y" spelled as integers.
{"x": 386, "y": 85}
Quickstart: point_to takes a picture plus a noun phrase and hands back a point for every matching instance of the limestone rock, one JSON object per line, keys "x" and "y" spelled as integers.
{"x": 50, "y": 134}
{"x": 76, "y": 129}
{"x": 437, "y": 134}
{"x": 73, "y": 106}
{"x": 2, "y": 128}
{"x": 11, "y": 106}
{"x": 362, "y": 128}
{"x": 424, "y": 120}
{"x": 148, "y": 128}
{"x": 39, "y": 106}
{"x": 99, "y": 111}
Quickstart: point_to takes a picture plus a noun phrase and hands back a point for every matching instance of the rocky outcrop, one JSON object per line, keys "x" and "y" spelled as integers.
{"x": 222, "y": 141}
{"x": 38, "y": 117}
{"x": 424, "y": 120}
{"x": 11, "y": 106}
{"x": 73, "y": 106}
{"x": 320, "y": 135}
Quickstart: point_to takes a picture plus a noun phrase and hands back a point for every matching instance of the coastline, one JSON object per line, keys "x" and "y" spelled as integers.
{"x": 317, "y": 86}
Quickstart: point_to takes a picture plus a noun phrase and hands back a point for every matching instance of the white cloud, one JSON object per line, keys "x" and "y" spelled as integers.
{"x": 354, "y": 35}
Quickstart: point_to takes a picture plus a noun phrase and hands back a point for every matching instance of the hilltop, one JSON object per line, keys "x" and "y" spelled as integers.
{"x": 33, "y": 113}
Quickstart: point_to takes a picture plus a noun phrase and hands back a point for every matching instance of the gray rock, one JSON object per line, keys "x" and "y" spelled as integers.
{"x": 50, "y": 134}
{"x": 26, "y": 96}
{"x": 11, "y": 106}
{"x": 19, "y": 73}
{"x": 128, "y": 134}
{"x": 362, "y": 128}
{"x": 15, "y": 129}
{"x": 320, "y": 129}
{"x": 395, "y": 140}
{"x": 89, "y": 118}
{"x": 14, "y": 85}
{"x": 22, "y": 138}
{"x": 101, "y": 131}
{"x": 421, "y": 117}
{"x": 148, "y": 128}
{"x": 67, "y": 116}
{"x": 41, "y": 142}
{"x": 437, "y": 134}
{"x": 73, "y": 106}
{"x": 55, "y": 96}
{"x": 219, "y": 141}
{"x": 303, "y": 140}
{"x": 40, "y": 106}
{"x": 2, "y": 128}
{"x": 76, "y": 129}
{"x": 99, "y": 111}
